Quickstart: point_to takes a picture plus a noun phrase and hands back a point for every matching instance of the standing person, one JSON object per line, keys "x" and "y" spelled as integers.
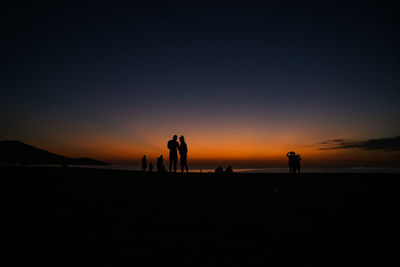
{"x": 183, "y": 153}
{"x": 160, "y": 164}
{"x": 173, "y": 152}
{"x": 151, "y": 167}
{"x": 144, "y": 163}
{"x": 296, "y": 167}
{"x": 290, "y": 156}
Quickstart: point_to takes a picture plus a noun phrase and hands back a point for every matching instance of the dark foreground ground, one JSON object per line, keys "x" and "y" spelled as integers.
{"x": 88, "y": 217}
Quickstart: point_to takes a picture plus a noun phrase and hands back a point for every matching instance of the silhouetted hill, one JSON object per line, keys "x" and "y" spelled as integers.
{"x": 18, "y": 152}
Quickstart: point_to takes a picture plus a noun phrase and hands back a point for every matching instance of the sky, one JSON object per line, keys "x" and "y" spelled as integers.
{"x": 244, "y": 82}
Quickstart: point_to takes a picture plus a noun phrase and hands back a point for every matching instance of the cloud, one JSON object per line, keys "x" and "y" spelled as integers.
{"x": 385, "y": 144}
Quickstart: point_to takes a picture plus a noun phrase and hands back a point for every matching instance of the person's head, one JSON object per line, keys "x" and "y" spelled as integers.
{"x": 175, "y": 137}
{"x": 182, "y": 139}
{"x": 292, "y": 153}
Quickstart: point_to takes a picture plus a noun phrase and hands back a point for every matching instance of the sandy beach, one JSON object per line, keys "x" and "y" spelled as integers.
{"x": 88, "y": 217}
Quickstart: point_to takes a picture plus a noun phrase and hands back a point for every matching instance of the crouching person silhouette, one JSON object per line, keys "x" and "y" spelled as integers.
{"x": 173, "y": 146}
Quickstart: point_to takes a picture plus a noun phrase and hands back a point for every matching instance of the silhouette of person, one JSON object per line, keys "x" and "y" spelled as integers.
{"x": 290, "y": 156}
{"x": 219, "y": 170}
{"x": 151, "y": 167}
{"x": 229, "y": 170}
{"x": 160, "y": 164}
{"x": 296, "y": 163}
{"x": 173, "y": 152}
{"x": 183, "y": 153}
{"x": 144, "y": 163}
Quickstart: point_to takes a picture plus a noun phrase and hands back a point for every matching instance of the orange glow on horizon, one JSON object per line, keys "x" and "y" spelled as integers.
{"x": 214, "y": 152}
{"x": 209, "y": 143}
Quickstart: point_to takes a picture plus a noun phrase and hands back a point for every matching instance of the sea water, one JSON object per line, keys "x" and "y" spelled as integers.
{"x": 260, "y": 170}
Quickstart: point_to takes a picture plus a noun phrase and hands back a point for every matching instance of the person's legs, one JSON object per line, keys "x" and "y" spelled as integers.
{"x": 170, "y": 162}
{"x": 184, "y": 164}
{"x": 175, "y": 163}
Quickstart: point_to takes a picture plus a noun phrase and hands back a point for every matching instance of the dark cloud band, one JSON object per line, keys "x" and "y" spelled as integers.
{"x": 386, "y": 144}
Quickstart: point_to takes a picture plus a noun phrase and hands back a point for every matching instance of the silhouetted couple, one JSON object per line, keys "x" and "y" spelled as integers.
{"x": 173, "y": 147}
{"x": 294, "y": 162}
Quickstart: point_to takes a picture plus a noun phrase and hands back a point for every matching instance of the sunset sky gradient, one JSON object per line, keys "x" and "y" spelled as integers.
{"x": 244, "y": 83}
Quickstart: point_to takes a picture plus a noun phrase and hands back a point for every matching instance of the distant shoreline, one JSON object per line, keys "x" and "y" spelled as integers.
{"x": 349, "y": 170}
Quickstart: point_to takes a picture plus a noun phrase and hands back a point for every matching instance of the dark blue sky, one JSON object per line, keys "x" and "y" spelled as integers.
{"x": 332, "y": 67}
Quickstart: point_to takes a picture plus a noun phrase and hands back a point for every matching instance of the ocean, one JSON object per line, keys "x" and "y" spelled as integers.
{"x": 262, "y": 170}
